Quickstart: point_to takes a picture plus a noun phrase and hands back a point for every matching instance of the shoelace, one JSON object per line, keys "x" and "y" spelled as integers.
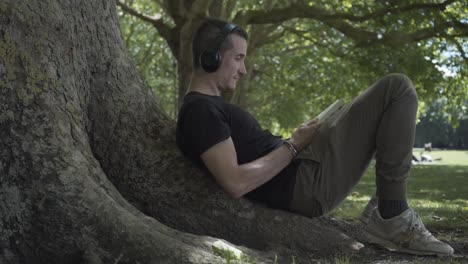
{"x": 417, "y": 227}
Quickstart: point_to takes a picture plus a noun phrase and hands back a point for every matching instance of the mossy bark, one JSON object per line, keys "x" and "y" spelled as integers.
{"x": 81, "y": 134}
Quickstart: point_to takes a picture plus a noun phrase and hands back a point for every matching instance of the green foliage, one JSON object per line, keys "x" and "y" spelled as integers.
{"x": 151, "y": 53}
{"x": 305, "y": 64}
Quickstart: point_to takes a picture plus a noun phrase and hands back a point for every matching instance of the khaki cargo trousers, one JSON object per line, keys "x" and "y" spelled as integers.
{"x": 380, "y": 121}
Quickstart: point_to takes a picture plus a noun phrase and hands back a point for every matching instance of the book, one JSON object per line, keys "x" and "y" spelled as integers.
{"x": 329, "y": 111}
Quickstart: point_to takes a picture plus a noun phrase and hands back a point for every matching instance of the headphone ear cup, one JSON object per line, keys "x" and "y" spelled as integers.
{"x": 210, "y": 60}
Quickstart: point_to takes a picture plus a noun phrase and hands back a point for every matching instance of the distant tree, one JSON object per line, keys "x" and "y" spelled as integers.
{"x": 437, "y": 127}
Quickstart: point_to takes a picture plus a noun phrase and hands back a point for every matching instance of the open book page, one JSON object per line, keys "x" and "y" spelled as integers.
{"x": 329, "y": 111}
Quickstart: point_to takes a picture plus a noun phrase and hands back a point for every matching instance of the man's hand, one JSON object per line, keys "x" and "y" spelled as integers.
{"x": 304, "y": 133}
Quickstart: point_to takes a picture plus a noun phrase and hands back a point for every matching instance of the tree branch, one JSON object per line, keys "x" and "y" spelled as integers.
{"x": 398, "y": 38}
{"x": 216, "y": 9}
{"x": 163, "y": 29}
{"x": 228, "y": 7}
{"x": 393, "y": 10}
{"x": 263, "y": 36}
{"x": 339, "y": 21}
{"x": 302, "y": 10}
{"x": 300, "y": 33}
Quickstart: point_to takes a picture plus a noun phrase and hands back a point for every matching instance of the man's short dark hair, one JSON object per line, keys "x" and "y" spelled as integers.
{"x": 207, "y": 33}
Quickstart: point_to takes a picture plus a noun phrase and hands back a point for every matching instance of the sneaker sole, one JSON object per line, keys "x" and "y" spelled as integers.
{"x": 393, "y": 247}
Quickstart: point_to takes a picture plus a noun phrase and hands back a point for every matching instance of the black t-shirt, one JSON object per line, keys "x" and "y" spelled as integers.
{"x": 206, "y": 120}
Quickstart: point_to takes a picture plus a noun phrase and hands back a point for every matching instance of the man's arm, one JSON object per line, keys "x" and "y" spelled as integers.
{"x": 237, "y": 180}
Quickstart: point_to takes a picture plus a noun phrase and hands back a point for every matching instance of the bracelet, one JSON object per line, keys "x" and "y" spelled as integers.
{"x": 291, "y": 147}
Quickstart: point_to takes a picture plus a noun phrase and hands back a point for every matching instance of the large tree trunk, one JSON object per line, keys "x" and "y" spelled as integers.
{"x": 76, "y": 116}
{"x": 59, "y": 62}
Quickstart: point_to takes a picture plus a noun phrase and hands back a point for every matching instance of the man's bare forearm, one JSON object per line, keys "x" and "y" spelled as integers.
{"x": 253, "y": 174}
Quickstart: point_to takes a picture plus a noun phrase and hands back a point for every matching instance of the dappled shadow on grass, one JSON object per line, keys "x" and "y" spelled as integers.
{"x": 438, "y": 182}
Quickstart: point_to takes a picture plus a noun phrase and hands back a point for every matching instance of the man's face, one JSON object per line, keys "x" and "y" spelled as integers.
{"x": 232, "y": 66}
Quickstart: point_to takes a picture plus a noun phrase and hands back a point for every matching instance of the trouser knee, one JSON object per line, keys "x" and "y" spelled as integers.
{"x": 400, "y": 85}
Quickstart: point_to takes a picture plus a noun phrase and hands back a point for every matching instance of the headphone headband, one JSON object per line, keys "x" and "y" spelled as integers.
{"x": 227, "y": 29}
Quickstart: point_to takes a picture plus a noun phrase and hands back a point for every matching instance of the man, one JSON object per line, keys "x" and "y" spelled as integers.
{"x": 248, "y": 161}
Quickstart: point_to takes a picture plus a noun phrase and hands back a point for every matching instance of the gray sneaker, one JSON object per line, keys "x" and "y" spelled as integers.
{"x": 371, "y": 205}
{"x": 405, "y": 233}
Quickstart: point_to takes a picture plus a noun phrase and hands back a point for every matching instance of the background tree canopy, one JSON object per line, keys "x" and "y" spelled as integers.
{"x": 305, "y": 54}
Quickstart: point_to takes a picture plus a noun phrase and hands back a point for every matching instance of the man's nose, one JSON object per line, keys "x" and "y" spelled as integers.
{"x": 242, "y": 70}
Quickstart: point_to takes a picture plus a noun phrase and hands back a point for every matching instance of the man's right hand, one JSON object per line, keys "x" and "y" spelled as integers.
{"x": 304, "y": 133}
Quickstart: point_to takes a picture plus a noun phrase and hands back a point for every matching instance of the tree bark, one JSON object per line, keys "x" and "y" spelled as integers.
{"x": 76, "y": 116}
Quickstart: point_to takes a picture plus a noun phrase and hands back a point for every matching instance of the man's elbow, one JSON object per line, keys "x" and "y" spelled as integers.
{"x": 235, "y": 191}
{"x": 236, "y": 195}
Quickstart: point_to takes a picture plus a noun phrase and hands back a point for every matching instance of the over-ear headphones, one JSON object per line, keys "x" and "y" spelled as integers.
{"x": 210, "y": 59}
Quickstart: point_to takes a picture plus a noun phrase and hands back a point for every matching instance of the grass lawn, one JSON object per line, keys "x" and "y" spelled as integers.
{"x": 437, "y": 191}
